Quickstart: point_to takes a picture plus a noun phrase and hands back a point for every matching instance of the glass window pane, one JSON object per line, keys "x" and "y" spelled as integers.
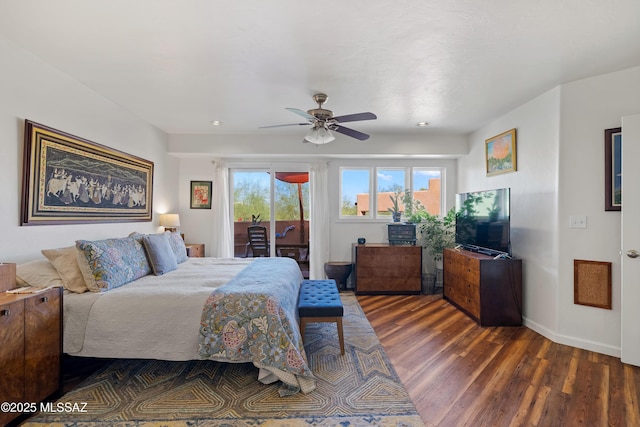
{"x": 292, "y": 207}
{"x": 427, "y": 188}
{"x": 354, "y": 193}
{"x": 292, "y": 217}
{"x": 389, "y": 180}
{"x": 251, "y": 201}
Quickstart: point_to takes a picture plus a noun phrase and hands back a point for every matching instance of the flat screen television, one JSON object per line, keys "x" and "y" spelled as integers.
{"x": 483, "y": 221}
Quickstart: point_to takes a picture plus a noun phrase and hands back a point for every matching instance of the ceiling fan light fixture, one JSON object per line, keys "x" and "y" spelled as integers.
{"x": 319, "y": 135}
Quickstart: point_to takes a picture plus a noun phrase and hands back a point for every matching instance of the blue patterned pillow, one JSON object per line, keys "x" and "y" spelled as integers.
{"x": 109, "y": 263}
{"x": 160, "y": 253}
{"x": 177, "y": 245}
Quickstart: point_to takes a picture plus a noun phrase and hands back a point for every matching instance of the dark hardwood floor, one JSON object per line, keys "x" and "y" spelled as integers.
{"x": 460, "y": 374}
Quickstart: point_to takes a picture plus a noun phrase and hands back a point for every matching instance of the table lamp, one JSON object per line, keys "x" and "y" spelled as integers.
{"x": 170, "y": 222}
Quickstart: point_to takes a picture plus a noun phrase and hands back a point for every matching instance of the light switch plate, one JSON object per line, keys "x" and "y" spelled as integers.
{"x": 578, "y": 221}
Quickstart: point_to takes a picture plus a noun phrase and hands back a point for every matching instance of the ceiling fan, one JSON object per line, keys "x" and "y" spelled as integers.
{"x": 323, "y": 122}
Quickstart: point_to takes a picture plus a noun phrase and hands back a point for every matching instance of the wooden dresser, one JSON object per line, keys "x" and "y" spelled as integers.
{"x": 30, "y": 344}
{"x": 487, "y": 289}
{"x": 387, "y": 269}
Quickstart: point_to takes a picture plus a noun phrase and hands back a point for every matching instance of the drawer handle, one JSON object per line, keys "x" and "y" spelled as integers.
{"x": 44, "y": 299}
{"x": 5, "y": 312}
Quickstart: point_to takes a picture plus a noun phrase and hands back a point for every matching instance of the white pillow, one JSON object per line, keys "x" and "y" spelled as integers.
{"x": 65, "y": 261}
{"x": 39, "y": 273}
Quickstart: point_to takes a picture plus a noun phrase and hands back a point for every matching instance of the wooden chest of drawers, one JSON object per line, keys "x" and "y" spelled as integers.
{"x": 387, "y": 269}
{"x": 30, "y": 346}
{"x": 489, "y": 290}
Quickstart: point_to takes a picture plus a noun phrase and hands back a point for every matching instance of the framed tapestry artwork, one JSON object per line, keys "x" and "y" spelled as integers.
{"x": 201, "y": 194}
{"x": 70, "y": 180}
{"x": 613, "y": 169}
{"x": 500, "y": 152}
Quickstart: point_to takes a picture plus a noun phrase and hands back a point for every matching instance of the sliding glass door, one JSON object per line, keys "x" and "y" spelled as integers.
{"x": 278, "y": 199}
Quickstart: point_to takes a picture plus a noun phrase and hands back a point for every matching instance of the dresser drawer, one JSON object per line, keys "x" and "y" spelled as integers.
{"x": 11, "y": 356}
{"x": 470, "y": 298}
{"x": 42, "y": 344}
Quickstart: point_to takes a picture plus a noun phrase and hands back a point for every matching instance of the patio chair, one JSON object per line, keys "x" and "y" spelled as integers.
{"x": 258, "y": 241}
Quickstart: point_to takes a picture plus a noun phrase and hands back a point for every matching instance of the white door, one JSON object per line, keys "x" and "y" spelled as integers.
{"x": 630, "y": 341}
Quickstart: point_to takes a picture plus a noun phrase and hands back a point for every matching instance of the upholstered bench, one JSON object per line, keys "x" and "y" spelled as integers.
{"x": 319, "y": 301}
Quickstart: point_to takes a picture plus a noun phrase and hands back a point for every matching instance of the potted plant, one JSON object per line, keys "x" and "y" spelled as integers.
{"x": 437, "y": 233}
{"x": 414, "y": 210}
{"x": 396, "y": 213}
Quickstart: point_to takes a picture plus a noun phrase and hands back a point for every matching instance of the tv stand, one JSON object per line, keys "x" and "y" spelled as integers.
{"x": 489, "y": 290}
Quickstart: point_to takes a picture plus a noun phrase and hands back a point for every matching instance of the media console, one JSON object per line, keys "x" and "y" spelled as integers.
{"x": 487, "y": 289}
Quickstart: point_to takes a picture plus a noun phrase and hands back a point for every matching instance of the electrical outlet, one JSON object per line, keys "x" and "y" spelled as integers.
{"x": 578, "y": 221}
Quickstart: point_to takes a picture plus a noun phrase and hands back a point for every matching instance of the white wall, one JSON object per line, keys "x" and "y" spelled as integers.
{"x": 588, "y": 107}
{"x": 196, "y": 224}
{"x": 31, "y": 89}
{"x": 561, "y": 173}
{"x": 287, "y": 146}
{"x": 534, "y": 197}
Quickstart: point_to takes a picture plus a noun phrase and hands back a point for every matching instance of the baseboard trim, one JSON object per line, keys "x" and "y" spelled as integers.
{"x": 572, "y": 341}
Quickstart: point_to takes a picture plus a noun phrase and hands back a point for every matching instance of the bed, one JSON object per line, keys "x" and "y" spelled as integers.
{"x": 234, "y": 310}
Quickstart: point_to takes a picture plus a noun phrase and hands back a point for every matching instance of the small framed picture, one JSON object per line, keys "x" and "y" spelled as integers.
{"x": 200, "y": 194}
{"x": 500, "y": 153}
{"x": 613, "y": 169}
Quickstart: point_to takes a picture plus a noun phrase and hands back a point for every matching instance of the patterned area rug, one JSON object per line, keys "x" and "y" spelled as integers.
{"x": 357, "y": 389}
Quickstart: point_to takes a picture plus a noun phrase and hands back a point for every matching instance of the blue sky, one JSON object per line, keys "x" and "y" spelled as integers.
{"x": 356, "y": 181}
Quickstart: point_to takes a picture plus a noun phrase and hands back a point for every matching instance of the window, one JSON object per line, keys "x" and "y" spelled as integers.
{"x": 358, "y": 184}
{"x": 426, "y": 187}
{"x": 354, "y": 195}
{"x": 389, "y": 180}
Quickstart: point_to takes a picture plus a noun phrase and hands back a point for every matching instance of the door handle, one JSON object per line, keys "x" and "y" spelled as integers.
{"x": 632, "y": 253}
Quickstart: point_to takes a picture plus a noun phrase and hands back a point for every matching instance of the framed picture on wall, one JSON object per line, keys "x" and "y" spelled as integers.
{"x": 613, "y": 169}
{"x": 71, "y": 180}
{"x": 201, "y": 194}
{"x": 500, "y": 153}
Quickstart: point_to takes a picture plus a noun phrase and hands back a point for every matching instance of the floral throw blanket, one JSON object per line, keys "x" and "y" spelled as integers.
{"x": 253, "y": 318}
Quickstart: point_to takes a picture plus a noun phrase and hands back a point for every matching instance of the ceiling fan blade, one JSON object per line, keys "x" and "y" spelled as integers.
{"x": 301, "y": 113}
{"x": 350, "y": 132}
{"x": 355, "y": 117}
{"x": 290, "y": 124}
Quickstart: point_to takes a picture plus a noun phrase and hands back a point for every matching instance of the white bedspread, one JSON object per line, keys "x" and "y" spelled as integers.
{"x": 126, "y": 322}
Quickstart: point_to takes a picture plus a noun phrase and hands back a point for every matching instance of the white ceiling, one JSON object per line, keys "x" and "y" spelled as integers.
{"x": 179, "y": 64}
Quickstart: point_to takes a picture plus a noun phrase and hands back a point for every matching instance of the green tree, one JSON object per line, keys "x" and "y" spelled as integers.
{"x": 250, "y": 198}
{"x": 288, "y": 201}
{"x": 348, "y": 206}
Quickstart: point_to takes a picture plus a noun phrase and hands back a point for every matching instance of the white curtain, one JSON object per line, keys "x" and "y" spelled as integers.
{"x": 222, "y": 246}
{"x": 319, "y": 242}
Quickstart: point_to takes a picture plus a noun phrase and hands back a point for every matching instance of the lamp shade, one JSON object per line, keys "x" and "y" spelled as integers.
{"x": 170, "y": 220}
{"x": 319, "y": 135}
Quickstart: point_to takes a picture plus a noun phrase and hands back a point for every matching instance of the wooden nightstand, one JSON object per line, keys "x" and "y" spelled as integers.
{"x": 195, "y": 250}
{"x": 31, "y": 337}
